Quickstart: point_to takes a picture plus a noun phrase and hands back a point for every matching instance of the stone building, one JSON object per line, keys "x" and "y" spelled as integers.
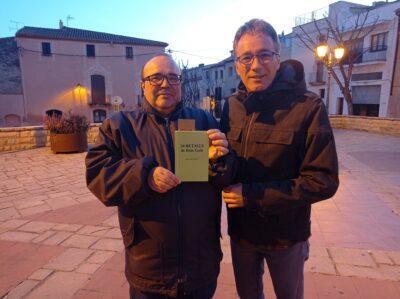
{"x": 46, "y": 71}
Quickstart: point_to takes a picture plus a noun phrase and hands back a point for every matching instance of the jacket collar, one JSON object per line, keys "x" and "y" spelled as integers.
{"x": 174, "y": 115}
{"x": 287, "y": 85}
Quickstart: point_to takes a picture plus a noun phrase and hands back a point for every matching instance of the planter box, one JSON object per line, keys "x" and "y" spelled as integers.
{"x": 67, "y": 143}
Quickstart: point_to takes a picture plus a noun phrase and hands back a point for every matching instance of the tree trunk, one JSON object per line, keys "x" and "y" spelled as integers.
{"x": 349, "y": 101}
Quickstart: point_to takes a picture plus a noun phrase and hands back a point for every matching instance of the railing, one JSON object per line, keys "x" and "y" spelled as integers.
{"x": 374, "y": 56}
{"x": 365, "y": 55}
{"x": 311, "y": 16}
{"x": 317, "y": 78}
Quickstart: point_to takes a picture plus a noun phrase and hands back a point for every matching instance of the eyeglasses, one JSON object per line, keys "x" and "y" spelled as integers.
{"x": 158, "y": 79}
{"x": 263, "y": 57}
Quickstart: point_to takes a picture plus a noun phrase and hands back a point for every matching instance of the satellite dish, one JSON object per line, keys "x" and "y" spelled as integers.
{"x": 117, "y": 100}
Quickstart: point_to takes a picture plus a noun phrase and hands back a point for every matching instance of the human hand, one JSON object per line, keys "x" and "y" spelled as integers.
{"x": 233, "y": 197}
{"x": 162, "y": 180}
{"x": 218, "y": 144}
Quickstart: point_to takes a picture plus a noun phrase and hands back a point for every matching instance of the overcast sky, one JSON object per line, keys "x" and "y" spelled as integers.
{"x": 204, "y": 29}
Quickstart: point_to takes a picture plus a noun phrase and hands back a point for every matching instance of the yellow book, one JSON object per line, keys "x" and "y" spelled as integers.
{"x": 191, "y": 156}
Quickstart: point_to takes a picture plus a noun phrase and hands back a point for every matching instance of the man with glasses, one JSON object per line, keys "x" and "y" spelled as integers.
{"x": 287, "y": 161}
{"x": 170, "y": 229}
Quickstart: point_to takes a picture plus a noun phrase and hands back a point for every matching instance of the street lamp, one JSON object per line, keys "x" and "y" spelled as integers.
{"x": 324, "y": 53}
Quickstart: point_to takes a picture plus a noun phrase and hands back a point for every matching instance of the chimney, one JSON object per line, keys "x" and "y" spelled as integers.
{"x": 61, "y": 24}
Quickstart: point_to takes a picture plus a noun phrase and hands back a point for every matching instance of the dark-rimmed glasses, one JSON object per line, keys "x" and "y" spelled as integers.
{"x": 263, "y": 57}
{"x": 158, "y": 79}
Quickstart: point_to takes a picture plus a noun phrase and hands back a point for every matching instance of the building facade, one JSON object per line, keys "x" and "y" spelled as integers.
{"x": 216, "y": 81}
{"x": 72, "y": 70}
{"x": 373, "y": 70}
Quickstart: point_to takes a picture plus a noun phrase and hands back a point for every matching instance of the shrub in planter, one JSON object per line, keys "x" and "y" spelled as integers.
{"x": 67, "y": 134}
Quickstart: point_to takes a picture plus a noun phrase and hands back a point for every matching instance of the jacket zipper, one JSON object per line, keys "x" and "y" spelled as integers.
{"x": 248, "y": 134}
{"x": 178, "y": 205}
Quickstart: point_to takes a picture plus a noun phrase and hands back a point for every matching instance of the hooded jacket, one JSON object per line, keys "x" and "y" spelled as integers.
{"x": 170, "y": 238}
{"x": 286, "y": 155}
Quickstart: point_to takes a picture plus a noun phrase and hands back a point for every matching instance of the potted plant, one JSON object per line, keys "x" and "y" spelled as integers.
{"x": 67, "y": 134}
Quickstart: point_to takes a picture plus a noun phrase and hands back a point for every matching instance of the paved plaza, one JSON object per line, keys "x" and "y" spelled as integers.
{"x": 58, "y": 241}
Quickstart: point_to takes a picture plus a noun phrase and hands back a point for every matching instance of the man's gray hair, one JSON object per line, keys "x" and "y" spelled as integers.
{"x": 257, "y": 26}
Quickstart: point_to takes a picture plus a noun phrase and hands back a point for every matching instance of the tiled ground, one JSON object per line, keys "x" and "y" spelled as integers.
{"x": 58, "y": 241}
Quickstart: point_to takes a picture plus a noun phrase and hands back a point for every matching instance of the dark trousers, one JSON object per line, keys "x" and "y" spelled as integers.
{"x": 202, "y": 293}
{"x": 286, "y": 267}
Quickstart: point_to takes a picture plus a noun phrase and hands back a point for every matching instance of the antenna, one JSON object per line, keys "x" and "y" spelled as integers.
{"x": 16, "y": 25}
{"x": 69, "y": 18}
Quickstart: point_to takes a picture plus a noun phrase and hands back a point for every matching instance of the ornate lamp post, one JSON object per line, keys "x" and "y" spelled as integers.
{"x": 324, "y": 53}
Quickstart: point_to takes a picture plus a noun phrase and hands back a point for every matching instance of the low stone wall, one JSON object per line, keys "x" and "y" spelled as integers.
{"x": 390, "y": 126}
{"x": 21, "y": 138}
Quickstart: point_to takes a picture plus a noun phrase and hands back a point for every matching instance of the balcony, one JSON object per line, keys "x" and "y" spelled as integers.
{"x": 366, "y": 56}
{"x": 317, "y": 78}
{"x": 374, "y": 56}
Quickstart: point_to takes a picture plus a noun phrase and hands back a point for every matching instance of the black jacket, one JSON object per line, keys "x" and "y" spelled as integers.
{"x": 287, "y": 157}
{"x": 171, "y": 237}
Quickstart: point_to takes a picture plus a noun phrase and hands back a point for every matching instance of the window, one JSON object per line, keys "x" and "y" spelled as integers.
{"x": 218, "y": 93}
{"x": 322, "y": 93}
{"x": 46, "y": 49}
{"x": 99, "y": 115}
{"x": 366, "y": 109}
{"x": 233, "y": 90}
{"x": 340, "y": 106}
{"x": 90, "y": 51}
{"x": 216, "y": 75}
{"x": 320, "y": 72}
{"x": 230, "y": 71}
{"x": 366, "y": 99}
{"x": 355, "y": 51}
{"x": 379, "y": 42}
{"x": 207, "y": 75}
{"x": 208, "y": 92}
{"x": 98, "y": 90}
{"x": 221, "y": 74}
{"x": 366, "y": 76}
{"x": 129, "y": 52}
{"x": 53, "y": 112}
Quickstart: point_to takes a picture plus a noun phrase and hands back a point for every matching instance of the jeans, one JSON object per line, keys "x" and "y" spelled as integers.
{"x": 286, "y": 267}
{"x": 202, "y": 293}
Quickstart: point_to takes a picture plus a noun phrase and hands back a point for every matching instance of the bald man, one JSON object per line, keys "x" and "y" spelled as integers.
{"x": 170, "y": 229}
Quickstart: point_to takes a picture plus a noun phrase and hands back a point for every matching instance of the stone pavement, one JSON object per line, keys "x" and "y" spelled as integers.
{"x": 58, "y": 241}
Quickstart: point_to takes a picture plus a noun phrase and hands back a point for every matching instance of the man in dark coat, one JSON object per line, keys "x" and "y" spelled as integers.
{"x": 171, "y": 230}
{"x": 287, "y": 161}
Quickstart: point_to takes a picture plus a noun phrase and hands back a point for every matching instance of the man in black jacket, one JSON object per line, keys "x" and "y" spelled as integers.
{"x": 287, "y": 161}
{"x": 170, "y": 229}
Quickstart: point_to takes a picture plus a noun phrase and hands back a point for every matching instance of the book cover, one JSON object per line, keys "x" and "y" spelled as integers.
{"x": 191, "y": 156}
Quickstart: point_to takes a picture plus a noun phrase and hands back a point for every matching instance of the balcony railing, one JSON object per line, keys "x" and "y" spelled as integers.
{"x": 317, "y": 78}
{"x": 366, "y": 55}
{"x": 311, "y": 16}
{"x": 374, "y": 56}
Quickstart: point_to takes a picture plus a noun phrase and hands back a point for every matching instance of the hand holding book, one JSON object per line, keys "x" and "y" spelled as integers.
{"x": 218, "y": 144}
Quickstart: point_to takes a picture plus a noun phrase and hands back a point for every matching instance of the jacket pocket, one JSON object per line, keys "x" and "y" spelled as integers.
{"x": 145, "y": 255}
{"x": 269, "y": 148}
{"x": 126, "y": 225}
{"x": 234, "y": 137}
{"x": 273, "y": 136}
